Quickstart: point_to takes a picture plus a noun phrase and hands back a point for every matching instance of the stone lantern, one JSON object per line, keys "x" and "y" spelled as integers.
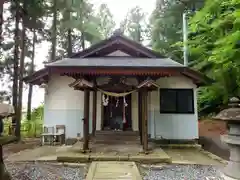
{"x": 231, "y": 116}
{"x": 6, "y": 110}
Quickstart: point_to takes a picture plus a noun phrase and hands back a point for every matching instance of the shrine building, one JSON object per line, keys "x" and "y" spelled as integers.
{"x": 120, "y": 85}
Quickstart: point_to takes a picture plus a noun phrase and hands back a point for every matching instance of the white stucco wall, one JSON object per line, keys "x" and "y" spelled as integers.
{"x": 172, "y": 126}
{"x": 64, "y": 106}
{"x": 118, "y": 53}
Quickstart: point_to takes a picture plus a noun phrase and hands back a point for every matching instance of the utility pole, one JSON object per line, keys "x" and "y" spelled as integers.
{"x": 185, "y": 39}
{"x": 193, "y": 4}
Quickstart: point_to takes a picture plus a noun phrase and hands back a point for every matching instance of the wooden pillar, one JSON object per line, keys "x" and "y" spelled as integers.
{"x": 145, "y": 122}
{"x": 86, "y": 121}
{"x": 94, "y": 113}
{"x": 140, "y": 115}
{"x": 143, "y": 114}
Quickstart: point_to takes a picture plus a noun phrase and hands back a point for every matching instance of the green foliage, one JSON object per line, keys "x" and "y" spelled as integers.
{"x": 37, "y": 114}
{"x": 134, "y": 25}
{"x": 166, "y": 26}
{"x": 105, "y": 22}
{"x": 215, "y": 50}
{"x": 214, "y": 43}
{"x": 31, "y": 128}
{"x": 86, "y": 24}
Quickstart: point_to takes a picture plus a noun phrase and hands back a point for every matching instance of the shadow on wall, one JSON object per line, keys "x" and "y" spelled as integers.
{"x": 215, "y": 146}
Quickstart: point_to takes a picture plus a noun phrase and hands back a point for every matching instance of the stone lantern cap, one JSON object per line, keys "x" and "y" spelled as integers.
{"x": 232, "y": 113}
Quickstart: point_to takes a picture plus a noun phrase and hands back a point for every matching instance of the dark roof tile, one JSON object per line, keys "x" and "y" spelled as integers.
{"x": 115, "y": 62}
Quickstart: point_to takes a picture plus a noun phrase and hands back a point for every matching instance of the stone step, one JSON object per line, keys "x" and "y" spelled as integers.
{"x": 117, "y": 137}
{"x": 121, "y": 133}
{"x": 113, "y": 170}
{"x": 113, "y": 142}
{"x": 114, "y": 137}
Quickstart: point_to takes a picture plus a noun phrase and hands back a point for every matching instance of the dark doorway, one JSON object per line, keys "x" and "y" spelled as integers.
{"x": 113, "y": 114}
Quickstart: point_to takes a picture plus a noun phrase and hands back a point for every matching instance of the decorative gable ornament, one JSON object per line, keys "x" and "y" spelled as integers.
{"x": 148, "y": 83}
{"x": 81, "y": 83}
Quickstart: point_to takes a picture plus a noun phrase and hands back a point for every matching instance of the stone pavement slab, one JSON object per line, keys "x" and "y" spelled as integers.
{"x": 118, "y": 170}
{"x": 192, "y": 156}
{"x": 43, "y": 153}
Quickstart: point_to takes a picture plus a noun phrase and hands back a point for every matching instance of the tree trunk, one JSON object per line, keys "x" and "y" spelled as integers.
{"x": 139, "y": 33}
{"x": 69, "y": 42}
{"x": 82, "y": 40}
{"x": 29, "y": 104}
{"x": 15, "y": 64}
{"x": 21, "y": 73}
{"x": 1, "y": 21}
{"x": 69, "y": 34}
{"x": 54, "y": 31}
{"x": 82, "y": 31}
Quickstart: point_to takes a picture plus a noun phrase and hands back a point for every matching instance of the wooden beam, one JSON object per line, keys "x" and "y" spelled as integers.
{"x": 94, "y": 114}
{"x": 163, "y": 71}
{"x": 86, "y": 121}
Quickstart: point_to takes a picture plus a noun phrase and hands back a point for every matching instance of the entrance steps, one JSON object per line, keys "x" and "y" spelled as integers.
{"x": 117, "y": 137}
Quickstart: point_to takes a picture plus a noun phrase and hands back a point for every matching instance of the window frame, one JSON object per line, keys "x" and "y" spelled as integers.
{"x": 177, "y": 91}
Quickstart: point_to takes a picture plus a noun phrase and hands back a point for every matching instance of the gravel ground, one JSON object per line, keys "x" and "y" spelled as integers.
{"x": 44, "y": 171}
{"x": 183, "y": 172}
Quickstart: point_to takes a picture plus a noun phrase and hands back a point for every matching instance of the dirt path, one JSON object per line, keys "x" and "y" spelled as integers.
{"x": 209, "y": 137}
{"x": 28, "y": 143}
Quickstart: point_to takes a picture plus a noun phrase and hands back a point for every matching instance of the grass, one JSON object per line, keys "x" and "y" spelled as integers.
{"x": 28, "y": 128}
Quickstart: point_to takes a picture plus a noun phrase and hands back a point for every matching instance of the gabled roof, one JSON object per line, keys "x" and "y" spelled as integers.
{"x": 95, "y": 59}
{"x": 117, "y": 42}
{"x": 115, "y": 62}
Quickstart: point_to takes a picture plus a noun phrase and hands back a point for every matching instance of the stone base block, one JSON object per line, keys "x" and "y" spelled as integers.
{"x": 232, "y": 170}
{"x": 227, "y": 177}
